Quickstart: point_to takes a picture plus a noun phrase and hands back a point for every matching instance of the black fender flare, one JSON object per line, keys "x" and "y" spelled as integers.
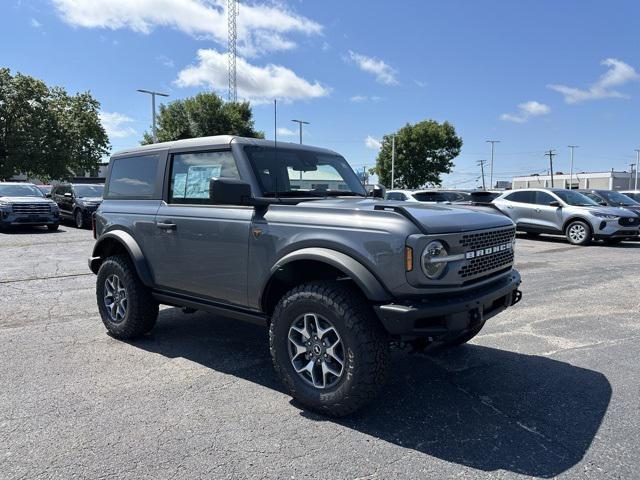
{"x": 131, "y": 246}
{"x": 362, "y": 277}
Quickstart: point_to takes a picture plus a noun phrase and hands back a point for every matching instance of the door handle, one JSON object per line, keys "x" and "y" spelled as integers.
{"x": 538, "y": 210}
{"x": 166, "y": 226}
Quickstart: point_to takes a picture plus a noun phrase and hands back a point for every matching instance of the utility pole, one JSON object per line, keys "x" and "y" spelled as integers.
{"x": 550, "y": 154}
{"x": 232, "y": 13}
{"x": 631, "y": 165}
{"x": 493, "y": 143}
{"x": 481, "y": 163}
{"x": 571, "y": 147}
{"x": 300, "y": 123}
{"x": 153, "y": 110}
{"x": 393, "y": 161}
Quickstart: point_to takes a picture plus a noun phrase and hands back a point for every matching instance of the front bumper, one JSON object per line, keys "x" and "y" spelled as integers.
{"x": 11, "y": 219}
{"x": 444, "y": 316}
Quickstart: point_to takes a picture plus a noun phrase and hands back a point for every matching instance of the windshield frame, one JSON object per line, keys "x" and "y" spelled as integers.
{"x": 564, "y": 195}
{"x": 37, "y": 192}
{"x": 348, "y": 177}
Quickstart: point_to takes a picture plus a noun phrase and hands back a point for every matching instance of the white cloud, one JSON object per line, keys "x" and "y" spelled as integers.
{"x": 384, "y": 73}
{"x": 364, "y": 98}
{"x": 372, "y": 143}
{"x": 261, "y": 27}
{"x": 117, "y": 124}
{"x": 420, "y": 83}
{"x": 526, "y": 110}
{"x": 35, "y": 23}
{"x": 285, "y": 132}
{"x": 164, "y": 60}
{"x": 619, "y": 73}
{"x": 257, "y": 84}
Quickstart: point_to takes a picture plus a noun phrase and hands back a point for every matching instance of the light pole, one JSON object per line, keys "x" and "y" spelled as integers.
{"x": 393, "y": 161}
{"x": 637, "y": 165}
{"x": 493, "y": 143}
{"x": 631, "y": 165}
{"x": 300, "y": 123}
{"x": 153, "y": 110}
{"x": 571, "y": 147}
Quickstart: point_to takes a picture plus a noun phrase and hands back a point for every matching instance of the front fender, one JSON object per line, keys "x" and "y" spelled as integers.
{"x": 104, "y": 247}
{"x": 362, "y": 277}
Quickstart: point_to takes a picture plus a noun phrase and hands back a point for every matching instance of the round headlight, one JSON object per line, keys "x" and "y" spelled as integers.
{"x": 431, "y": 267}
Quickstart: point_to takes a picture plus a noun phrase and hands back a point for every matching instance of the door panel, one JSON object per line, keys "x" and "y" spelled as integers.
{"x": 545, "y": 216}
{"x": 202, "y": 250}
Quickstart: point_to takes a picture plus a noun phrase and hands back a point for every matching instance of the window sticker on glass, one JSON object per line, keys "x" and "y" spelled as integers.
{"x": 179, "y": 185}
{"x": 197, "y": 180}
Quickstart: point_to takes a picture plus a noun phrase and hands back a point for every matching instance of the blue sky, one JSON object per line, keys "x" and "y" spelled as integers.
{"x": 533, "y": 74}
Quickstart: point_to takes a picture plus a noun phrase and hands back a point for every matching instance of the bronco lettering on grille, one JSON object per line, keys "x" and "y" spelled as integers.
{"x": 488, "y": 251}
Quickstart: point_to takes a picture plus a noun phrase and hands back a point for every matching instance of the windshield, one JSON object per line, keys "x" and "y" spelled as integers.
{"x": 635, "y": 196}
{"x": 616, "y": 198}
{"x": 575, "y": 198}
{"x": 88, "y": 190}
{"x": 20, "y": 191}
{"x": 302, "y": 173}
{"x": 486, "y": 197}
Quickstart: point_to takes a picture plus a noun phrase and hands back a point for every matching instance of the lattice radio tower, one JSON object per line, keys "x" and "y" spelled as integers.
{"x": 232, "y": 14}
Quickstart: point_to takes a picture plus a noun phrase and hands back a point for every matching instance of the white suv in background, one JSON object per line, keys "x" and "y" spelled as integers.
{"x": 427, "y": 196}
{"x": 569, "y": 213}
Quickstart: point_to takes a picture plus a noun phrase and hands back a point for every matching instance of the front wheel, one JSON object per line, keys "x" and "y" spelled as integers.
{"x": 79, "y": 219}
{"x": 126, "y": 305}
{"x": 578, "y": 232}
{"x": 328, "y": 347}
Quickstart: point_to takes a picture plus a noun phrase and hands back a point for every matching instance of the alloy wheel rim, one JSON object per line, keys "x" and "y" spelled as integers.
{"x": 316, "y": 351}
{"x": 577, "y": 232}
{"x": 115, "y": 298}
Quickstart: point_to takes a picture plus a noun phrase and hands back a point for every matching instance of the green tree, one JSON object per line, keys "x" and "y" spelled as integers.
{"x": 201, "y": 116}
{"x": 424, "y": 151}
{"x": 46, "y": 133}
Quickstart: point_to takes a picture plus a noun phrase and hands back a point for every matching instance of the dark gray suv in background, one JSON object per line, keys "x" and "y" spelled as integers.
{"x": 285, "y": 236}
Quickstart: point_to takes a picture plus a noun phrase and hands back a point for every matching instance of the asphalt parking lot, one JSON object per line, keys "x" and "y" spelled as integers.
{"x": 550, "y": 388}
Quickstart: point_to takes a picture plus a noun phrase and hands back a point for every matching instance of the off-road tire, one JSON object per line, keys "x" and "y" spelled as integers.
{"x": 366, "y": 346}
{"x": 78, "y": 219}
{"x": 142, "y": 308}
{"x": 53, "y": 227}
{"x": 587, "y": 238}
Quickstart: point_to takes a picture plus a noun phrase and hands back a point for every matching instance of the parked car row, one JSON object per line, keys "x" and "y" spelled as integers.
{"x": 26, "y": 204}
{"x": 580, "y": 215}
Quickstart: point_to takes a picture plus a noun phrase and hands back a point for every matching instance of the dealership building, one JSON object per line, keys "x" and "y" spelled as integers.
{"x": 596, "y": 180}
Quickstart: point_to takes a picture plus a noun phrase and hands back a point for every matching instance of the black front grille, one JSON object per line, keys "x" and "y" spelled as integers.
{"x": 473, "y": 241}
{"x": 478, "y": 265}
{"x": 629, "y": 221}
{"x": 31, "y": 208}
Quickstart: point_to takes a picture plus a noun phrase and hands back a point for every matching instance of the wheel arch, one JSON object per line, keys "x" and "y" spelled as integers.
{"x": 309, "y": 264}
{"x": 119, "y": 241}
{"x": 573, "y": 219}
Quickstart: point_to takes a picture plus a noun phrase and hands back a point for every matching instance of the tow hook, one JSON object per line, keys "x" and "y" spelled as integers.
{"x": 516, "y": 296}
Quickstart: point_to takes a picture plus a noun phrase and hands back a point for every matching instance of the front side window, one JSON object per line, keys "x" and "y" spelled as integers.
{"x": 133, "y": 177}
{"x": 191, "y": 173}
{"x": 543, "y": 198}
{"x": 617, "y": 199}
{"x": 20, "y": 191}
{"x": 302, "y": 173}
{"x": 526, "y": 196}
{"x": 576, "y": 199}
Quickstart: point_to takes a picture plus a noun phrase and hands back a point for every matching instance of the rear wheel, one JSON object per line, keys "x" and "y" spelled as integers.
{"x": 126, "y": 306}
{"x": 578, "y": 233}
{"x": 328, "y": 347}
{"x": 53, "y": 227}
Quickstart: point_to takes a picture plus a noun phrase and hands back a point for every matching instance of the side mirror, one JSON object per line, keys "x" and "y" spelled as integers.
{"x": 378, "y": 191}
{"x": 229, "y": 191}
{"x": 47, "y": 195}
{"x": 68, "y": 195}
{"x": 555, "y": 203}
{"x": 604, "y": 204}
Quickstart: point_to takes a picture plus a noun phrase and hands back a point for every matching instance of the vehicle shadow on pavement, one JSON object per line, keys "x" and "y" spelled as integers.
{"x": 563, "y": 241}
{"x": 29, "y": 230}
{"x": 476, "y": 406}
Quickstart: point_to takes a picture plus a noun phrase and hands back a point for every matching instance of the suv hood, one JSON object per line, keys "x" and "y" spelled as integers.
{"x": 25, "y": 200}
{"x": 430, "y": 218}
{"x": 620, "y": 211}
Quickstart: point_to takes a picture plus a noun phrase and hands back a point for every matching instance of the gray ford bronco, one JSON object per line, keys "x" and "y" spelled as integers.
{"x": 285, "y": 236}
